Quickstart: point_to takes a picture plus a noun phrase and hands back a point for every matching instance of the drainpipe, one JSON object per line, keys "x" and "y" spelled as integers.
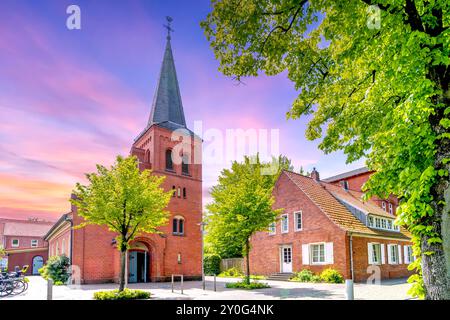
{"x": 351, "y": 256}
{"x": 71, "y": 238}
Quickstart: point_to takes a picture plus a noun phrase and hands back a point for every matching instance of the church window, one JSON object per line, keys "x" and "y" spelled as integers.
{"x": 169, "y": 163}
{"x": 184, "y": 193}
{"x": 174, "y": 191}
{"x": 185, "y": 164}
{"x": 178, "y": 225}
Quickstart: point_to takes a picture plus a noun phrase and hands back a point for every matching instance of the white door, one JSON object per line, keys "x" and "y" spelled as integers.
{"x": 286, "y": 259}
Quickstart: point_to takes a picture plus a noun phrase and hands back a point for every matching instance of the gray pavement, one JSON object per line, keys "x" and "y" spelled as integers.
{"x": 388, "y": 290}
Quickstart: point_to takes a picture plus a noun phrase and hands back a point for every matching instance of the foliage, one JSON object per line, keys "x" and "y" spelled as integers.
{"x": 57, "y": 269}
{"x": 331, "y": 276}
{"x": 379, "y": 92}
{"x": 2, "y": 251}
{"x": 242, "y": 203}
{"x": 220, "y": 238}
{"x": 247, "y": 285}
{"x": 212, "y": 264}
{"x": 126, "y": 294}
{"x": 305, "y": 275}
{"x": 231, "y": 273}
{"x": 124, "y": 199}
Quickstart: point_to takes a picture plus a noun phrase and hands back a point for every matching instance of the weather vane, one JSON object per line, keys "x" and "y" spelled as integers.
{"x": 168, "y": 27}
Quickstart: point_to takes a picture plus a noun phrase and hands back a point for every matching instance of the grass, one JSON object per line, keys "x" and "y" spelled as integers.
{"x": 126, "y": 294}
{"x": 247, "y": 286}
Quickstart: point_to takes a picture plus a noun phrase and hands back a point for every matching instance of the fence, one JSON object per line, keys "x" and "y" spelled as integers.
{"x": 237, "y": 263}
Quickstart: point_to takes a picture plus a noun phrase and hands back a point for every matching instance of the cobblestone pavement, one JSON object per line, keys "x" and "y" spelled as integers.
{"x": 388, "y": 290}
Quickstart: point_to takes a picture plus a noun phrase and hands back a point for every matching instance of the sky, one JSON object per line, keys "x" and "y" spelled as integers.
{"x": 70, "y": 99}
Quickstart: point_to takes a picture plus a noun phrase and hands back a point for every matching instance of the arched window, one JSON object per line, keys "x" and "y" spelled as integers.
{"x": 178, "y": 225}
{"x": 184, "y": 193}
{"x": 185, "y": 164}
{"x": 179, "y": 192}
{"x": 174, "y": 191}
{"x": 169, "y": 163}
{"x": 147, "y": 156}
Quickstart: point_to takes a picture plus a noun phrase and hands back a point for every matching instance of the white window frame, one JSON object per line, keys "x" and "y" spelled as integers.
{"x": 407, "y": 251}
{"x": 373, "y": 250}
{"x": 383, "y": 224}
{"x": 273, "y": 228}
{"x": 15, "y": 245}
{"x": 383, "y": 205}
{"x": 390, "y": 256}
{"x": 34, "y": 243}
{"x": 370, "y": 221}
{"x": 391, "y": 208}
{"x": 311, "y": 252}
{"x": 296, "y": 214}
{"x": 286, "y": 216}
{"x": 377, "y": 223}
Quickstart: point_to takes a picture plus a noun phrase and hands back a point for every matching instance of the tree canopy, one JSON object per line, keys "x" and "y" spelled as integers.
{"x": 374, "y": 77}
{"x": 242, "y": 205}
{"x": 125, "y": 200}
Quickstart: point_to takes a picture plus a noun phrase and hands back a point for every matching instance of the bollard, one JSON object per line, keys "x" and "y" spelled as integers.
{"x": 349, "y": 289}
{"x": 49, "y": 289}
{"x": 181, "y": 284}
{"x": 215, "y": 288}
{"x": 172, "y": 283}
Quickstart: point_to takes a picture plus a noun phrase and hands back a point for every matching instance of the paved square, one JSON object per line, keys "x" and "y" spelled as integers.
{"x": 388, "y": 290}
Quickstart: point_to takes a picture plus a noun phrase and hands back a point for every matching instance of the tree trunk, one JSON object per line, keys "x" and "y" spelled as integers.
{"x": 123, "y": 256}
{"x": 436, "y": 266}
{"x": 247, "y": 271}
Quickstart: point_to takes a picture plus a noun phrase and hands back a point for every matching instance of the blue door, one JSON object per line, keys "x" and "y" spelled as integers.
{"x": 38, "y": 262}
{"x": 132, "y": 267}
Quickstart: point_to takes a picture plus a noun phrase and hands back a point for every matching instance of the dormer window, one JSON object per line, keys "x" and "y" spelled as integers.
{"x": 169, "y": 163}
{"x": 383, "y": 205}
{"x": 381, "y": 223}
{"x": 391, "y": 208}
{"x": 344, "y": 184}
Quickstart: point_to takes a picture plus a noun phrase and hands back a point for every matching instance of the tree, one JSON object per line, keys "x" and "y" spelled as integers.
{"x": 375, "y": 77}
{"x": 242, "y": 204}
{"x": 125, "y": 200}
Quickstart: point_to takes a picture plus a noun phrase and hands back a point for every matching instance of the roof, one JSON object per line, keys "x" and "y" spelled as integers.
{"x": 26, "y": 229}
{"x": 323, "y": 195}
{"x": 347, "y": 174}
{"x": 65, "y": 217}
{"x": 167, "y": 105}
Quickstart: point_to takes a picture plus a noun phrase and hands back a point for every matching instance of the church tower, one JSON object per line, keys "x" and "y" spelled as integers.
{"x": 169, "y": 148}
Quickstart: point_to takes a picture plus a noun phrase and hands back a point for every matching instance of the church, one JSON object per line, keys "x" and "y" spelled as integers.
{"x": 152, "y": 257}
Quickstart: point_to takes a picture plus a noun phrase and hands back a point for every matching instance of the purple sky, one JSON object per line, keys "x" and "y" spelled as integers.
{"x": 72, "y": 98}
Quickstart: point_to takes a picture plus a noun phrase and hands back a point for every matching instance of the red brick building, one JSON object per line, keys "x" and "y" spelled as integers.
{"x": 23, "y": 241}
{"x": 151, "y": 257}
{"x": 324, "y": 225}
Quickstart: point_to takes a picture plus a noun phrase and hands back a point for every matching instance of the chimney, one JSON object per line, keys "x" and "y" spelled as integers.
{"x": 315, "y": 174}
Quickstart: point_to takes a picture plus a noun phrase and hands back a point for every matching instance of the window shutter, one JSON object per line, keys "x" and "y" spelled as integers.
{"x": 370, "y": 252}
{"x": 329, "y": 255}
{"x": 400, "y": 254}
{"x": 305, "y": 254}
{"x": 389, "y": 253}
{"x": 405, "y": 254}
{"x": 383, "y": 254}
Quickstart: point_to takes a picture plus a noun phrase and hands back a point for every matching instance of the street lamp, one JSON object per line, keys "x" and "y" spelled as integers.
{"x": 202, "y": 229}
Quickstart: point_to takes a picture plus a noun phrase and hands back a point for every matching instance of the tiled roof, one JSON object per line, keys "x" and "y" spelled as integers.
{"x": 337, "y": 212}
{"x": 347, "y": 174}
{"x": 26, "y": 229}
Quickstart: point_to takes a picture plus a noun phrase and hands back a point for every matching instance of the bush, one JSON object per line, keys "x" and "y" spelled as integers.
{"x": 305, "y": 276}
{"x": 231, "y": 273}
{"x": 331, "y": 276}
{"x": 212, "y": 264}
{"x": 126, "y": 294}
{"x": 56, "y": 269}
{"x": 247, "y": 286}
{"x": 257, "y": 277}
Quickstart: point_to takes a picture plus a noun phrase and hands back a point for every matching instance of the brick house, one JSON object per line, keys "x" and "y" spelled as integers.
{"x": 23, "y": 241}
{"x": 324, "y": 225}
{"x": 151, "y": 257}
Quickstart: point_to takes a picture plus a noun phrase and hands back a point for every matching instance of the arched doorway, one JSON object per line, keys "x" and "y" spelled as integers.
{"x": 38, "y": 262}
{"x": 138, "y": 263}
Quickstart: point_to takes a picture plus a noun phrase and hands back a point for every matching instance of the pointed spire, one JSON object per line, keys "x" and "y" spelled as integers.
{"x": 167, "y": 105}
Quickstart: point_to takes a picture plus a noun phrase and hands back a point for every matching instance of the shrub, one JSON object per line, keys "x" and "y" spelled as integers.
{"x": 212, "y": 264}
{"x": 231, "y": 273}
{"x": 56, "y": 269}
{"x": 257, "y": 277}
{"x": 331, "y": 276}
{"x": 126, "y": 294}
{"x": 303, "y": 276}
{"x": 246, "y": 286}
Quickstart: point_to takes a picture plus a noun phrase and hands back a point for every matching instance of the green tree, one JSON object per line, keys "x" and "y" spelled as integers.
{"x": 125, "y": 200}
{"x": 374, "y": 76}
{"x": 242, "y": 204}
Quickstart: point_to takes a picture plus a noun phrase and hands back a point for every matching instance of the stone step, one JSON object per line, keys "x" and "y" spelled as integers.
{"x": 281, "y": 276}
